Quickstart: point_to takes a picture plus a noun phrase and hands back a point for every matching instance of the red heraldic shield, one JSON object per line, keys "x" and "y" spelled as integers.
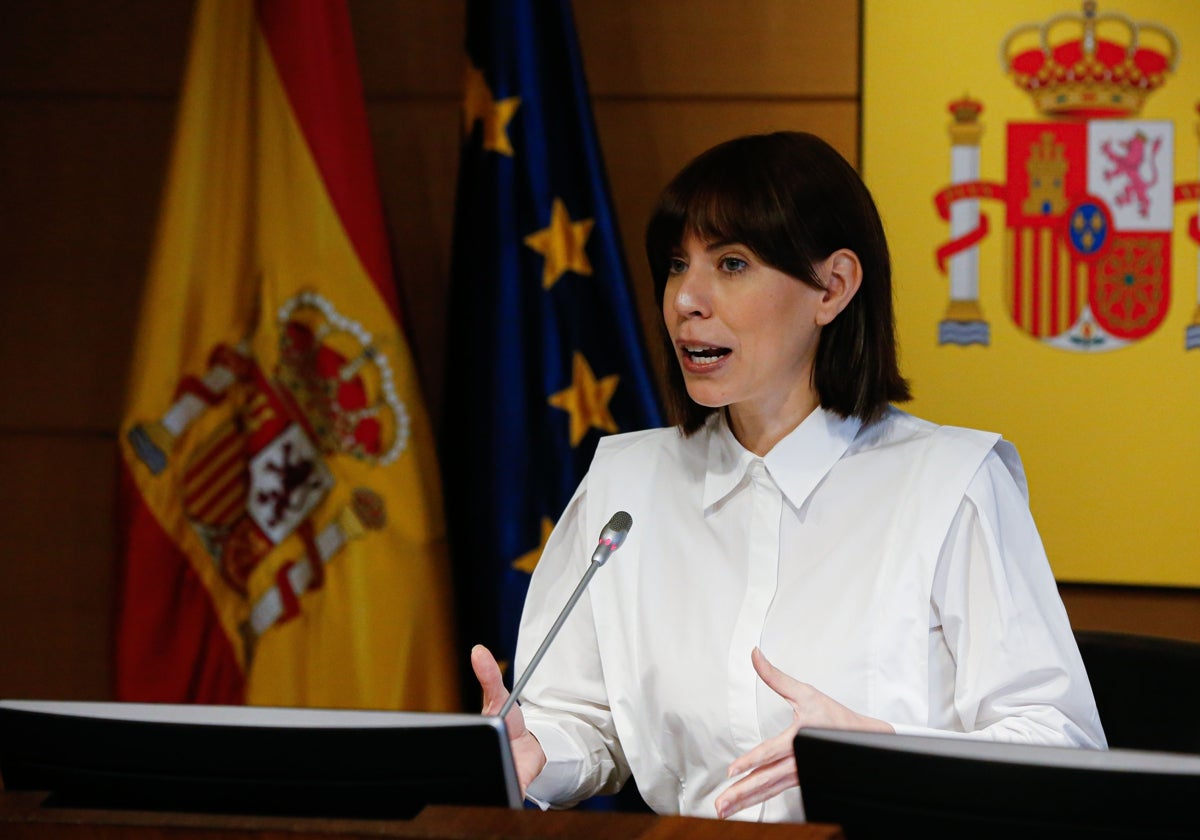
{"x": 1089, "y": 216}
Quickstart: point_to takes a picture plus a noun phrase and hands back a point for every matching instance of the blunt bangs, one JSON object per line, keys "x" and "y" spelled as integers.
{"x": 731, "y": 193}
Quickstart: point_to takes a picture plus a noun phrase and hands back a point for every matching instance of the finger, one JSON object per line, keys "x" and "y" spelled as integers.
{"x": 768, "y": 751}
{"x": 765, "y": 782}
{"x": 776, "y": 680}
{"x": 490, "y": 679}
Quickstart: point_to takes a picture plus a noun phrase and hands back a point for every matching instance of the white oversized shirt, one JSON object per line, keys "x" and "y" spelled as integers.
{"x": 896, "y": 568}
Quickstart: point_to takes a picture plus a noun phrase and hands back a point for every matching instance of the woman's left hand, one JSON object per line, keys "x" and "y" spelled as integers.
{"x": 772, "y": 764}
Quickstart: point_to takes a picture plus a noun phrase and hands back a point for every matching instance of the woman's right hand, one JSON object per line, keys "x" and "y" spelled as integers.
{"x": 527, "y": 752}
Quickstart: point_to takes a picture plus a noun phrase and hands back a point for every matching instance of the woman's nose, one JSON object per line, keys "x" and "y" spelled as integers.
{"x": 689, "y": 297}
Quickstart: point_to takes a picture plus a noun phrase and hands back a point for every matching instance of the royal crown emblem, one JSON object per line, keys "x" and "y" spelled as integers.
{"x": 340, "y": 381}
{"x": 1088, "y": 192}
{"x": 258, "y": 472}
{"x": 1089, "y": 65}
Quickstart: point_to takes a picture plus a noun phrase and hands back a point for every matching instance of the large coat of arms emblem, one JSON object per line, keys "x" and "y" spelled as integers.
{"x": 1089, "y": 193}
{"x": 259, "y": 473}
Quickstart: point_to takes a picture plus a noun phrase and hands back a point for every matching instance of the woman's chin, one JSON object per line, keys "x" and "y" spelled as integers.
{"x": 706, "y": 398}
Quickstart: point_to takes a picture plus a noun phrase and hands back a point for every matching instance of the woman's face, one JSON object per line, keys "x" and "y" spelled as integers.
{"x": 745, "y": 334}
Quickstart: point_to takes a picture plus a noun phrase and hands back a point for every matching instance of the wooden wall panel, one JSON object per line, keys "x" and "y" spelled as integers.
{"x": 1154, "y": 611}
{"x": 706, "y": 49}
{"x": 117, "y": 47}
{"x": 81, "y": 184}
{"x": 56, "y": 575}
{"x": 410, "y": 48}
{"x": 412, "y": 59}
{"x": 87, "y": 103}
{"x": 416, "y": 147}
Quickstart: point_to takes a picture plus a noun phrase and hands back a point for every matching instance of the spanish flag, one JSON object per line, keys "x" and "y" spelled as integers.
{"x": 280, "y": 496}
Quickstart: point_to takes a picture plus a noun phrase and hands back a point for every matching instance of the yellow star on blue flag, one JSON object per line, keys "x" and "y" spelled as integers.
{"x": 528, "y": 561}
{"x": 480, "y": 106}
{"x": 586, "y": 400}
{"x": 562, "y": 243}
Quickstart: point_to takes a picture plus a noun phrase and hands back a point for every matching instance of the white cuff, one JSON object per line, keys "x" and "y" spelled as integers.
{"x": 560, "y": 779}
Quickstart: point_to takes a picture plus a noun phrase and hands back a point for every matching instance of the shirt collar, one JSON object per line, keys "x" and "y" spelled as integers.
{"x": 797, "y": 463}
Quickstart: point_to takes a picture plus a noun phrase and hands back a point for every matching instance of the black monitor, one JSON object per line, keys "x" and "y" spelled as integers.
{"x": 254, "y": 760}
{"x": 877, "y": 785}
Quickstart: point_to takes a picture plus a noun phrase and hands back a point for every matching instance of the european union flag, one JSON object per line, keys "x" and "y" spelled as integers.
{"x": 545, "y": 351}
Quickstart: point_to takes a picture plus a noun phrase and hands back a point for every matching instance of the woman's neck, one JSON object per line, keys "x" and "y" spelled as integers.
{"x": 759, "y": 428}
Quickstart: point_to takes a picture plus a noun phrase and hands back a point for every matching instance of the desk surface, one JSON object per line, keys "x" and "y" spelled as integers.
{"x": 24, "y": 817}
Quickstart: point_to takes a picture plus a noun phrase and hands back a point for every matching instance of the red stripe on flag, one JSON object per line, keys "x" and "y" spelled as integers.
{"x": 233, "y": 507}
{"x": 1075, "y": 293}
{"x": 287, "y": 595}
{"x": 314, "y": 54}
{"x": 1056, "y": 287}
{"x": 315, "y": 564}
{"x": 215, "y": 463}
{"x": 1036, "y": 327}
{"x": 198, "y": 497}
{"x": 170, "y": 645}
{"x": 225, "y": 500}
{"x": 1018, "y": 257}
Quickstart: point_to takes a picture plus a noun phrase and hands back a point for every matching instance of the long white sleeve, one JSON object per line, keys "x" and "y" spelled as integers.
{"x": 565, "y": 702}
{"x": 1014, "y": 665}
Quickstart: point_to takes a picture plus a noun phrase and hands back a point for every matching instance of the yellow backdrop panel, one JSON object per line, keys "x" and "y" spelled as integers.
{"x": 1110, "y": 440}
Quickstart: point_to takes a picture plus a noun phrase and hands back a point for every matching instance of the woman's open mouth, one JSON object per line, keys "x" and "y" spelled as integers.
{"x": 703, "y": 355}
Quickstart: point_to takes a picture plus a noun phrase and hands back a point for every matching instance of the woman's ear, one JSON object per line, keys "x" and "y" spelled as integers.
{"x": 842, "y": 275}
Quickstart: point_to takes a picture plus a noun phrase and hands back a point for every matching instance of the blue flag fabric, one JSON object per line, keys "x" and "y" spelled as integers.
{"x": 545, "y": 349}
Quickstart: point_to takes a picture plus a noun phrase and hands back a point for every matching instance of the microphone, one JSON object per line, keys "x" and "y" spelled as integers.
{"x": 611, "y": 537}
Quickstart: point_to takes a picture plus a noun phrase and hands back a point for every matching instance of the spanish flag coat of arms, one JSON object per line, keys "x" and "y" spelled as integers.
{"x": 1050, "y": 289}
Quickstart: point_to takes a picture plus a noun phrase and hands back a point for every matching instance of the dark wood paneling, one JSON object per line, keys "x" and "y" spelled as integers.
{"x": 80, "y": 185}
{"x": 416, "y": 148}
{"x": 118, "y": 47}
{"x": 410, "y": 48}
{"x": 57, "y": 522}
{"x": 716, "y": 48}
{"x": 1153, "y": 611}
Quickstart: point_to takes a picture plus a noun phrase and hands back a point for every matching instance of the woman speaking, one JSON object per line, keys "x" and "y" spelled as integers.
{"x": 805, "y": 553}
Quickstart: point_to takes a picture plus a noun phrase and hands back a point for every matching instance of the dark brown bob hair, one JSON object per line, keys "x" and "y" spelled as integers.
{"x": 793, "y": 200}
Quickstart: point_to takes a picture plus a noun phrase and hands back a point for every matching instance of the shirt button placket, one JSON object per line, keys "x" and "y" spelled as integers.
{"x": 762, "y": 580}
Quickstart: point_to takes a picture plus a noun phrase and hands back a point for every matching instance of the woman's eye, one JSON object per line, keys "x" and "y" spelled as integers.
{"x": 676, "y": 266}
{"x": 733, "y": 264}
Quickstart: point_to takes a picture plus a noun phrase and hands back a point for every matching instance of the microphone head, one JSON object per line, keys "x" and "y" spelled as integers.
{"x": 612, "y": 536}
{"x": 621, "y": 521}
